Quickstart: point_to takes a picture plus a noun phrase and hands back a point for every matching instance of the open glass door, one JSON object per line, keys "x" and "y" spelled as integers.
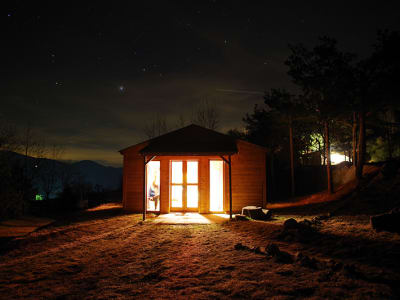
{"x": 153, "y": 186}
{"x": 184, "y": 186}
{"x": 216, "y": 185}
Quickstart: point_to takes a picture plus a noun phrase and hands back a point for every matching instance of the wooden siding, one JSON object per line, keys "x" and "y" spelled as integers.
{"x": 133, "y": 180}
{"x": 248, "y": 179}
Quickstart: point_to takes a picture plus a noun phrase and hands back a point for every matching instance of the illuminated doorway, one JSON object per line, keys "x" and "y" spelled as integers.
{"x": 153, "y": 186}
{"x": 216, "y": 186}
{"x": 184, "y": 186}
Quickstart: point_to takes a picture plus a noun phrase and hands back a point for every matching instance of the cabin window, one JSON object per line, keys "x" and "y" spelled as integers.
{"x": 153, "y": 186}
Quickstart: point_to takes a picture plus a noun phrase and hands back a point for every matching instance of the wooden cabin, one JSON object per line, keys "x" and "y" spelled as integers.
{"x": 193, "y": 169}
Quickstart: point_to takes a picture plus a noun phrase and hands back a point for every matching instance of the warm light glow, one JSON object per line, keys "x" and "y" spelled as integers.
{"x": 192, "y": 167}
{"x": 216, "y": 186}
{"x": 225, "y": 216}
{"x": 177, "y": 218}
{"x": 337, "y": 158}
{"x": 176, "y": 196}
{"x": 176, "y": 172}
{"x": 192, "y": 196}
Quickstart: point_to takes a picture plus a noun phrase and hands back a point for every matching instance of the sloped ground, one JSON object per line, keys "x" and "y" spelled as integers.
{"x": 106, "y": 254}
{"x": 377, "y": 193}
{"x": 344, "y": 187}
{"x": 21, "y": 226}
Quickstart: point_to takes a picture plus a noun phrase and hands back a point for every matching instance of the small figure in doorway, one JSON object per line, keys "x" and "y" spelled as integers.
{"x": 154, "y": 193}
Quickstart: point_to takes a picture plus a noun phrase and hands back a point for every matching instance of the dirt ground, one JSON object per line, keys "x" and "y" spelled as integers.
{"x": 106, "y": 254}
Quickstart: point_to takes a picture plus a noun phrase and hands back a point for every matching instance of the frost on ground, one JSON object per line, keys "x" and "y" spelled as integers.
{"x": 108, "y": 254}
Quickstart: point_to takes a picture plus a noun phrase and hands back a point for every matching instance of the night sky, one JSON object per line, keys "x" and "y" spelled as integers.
{"x": 90, "y": 75}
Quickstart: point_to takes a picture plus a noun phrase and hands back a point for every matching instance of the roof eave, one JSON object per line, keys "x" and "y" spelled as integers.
{"x": 218, "y": 153}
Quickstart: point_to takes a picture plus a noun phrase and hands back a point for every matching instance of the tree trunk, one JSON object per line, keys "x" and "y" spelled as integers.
{"x": 324, "y": 145}
{"x": 328, "y": 157}
{"x": 320, "y": 151}
{"x": 291, "y": 156}
{"x": 355, "y": 138}
{"x": 361, "y": 144}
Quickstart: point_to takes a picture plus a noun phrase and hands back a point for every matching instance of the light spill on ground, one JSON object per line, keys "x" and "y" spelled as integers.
{"x": 113, "y": 255}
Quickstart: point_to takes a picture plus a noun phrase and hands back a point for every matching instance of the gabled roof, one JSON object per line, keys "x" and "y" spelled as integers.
{"x": 190, "y": 140}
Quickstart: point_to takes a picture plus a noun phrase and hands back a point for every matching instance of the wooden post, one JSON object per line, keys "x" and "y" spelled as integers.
{"x": 229, "y": 162}
{"x": 361, "y": 144}
{"x": 144, "y": 187}
{"x": 230, "y": 188}
{"x": 354, "y": 133}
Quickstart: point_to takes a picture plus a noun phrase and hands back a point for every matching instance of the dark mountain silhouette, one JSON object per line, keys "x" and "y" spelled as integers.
{"x": 95, "y": 173}
{"x": 88, "y": 171}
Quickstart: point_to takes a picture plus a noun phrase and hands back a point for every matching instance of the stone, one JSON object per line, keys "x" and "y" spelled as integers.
{"x": 267, "y": 213}
{"x": 240, "y": 246}
{"x": 256, "y": 213}
{"x": 386, "y": 222}
{"x": 279, "y": 256}
{"x": 239, "y": 217}
{"x": 284, "y": 257}
{"x": 272, "y": 249}
{"x": 290, "y": 224}
{"x": 305, "y": 223}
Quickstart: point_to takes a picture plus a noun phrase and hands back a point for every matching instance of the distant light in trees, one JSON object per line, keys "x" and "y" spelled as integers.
{"x": 337, "y": 158}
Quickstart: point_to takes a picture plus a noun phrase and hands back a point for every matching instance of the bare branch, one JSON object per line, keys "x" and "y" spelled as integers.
{"x": 156, "y": 127}
{"x": 206, "y": 114}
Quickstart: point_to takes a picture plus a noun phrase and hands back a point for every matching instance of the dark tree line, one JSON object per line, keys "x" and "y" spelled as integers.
{"x": 344, "y": 102}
